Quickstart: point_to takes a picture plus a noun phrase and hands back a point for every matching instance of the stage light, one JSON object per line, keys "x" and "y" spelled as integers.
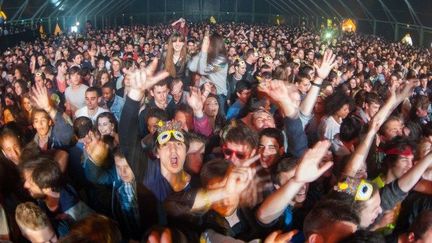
{"x": 74, "y": 29}
{"x": 77, "y": 23}
{"x": 328, "y": 35}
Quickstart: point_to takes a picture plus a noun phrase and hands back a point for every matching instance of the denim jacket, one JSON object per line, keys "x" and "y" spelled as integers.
{"x": 117, "y": 107}
{"x": 60, "y": 135}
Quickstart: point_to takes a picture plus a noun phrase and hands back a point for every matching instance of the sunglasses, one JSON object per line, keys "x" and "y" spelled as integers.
{"x": 229, "y": 153}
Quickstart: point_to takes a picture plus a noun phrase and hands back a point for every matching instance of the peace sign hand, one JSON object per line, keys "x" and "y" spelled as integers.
{"x": 141, "y": 80}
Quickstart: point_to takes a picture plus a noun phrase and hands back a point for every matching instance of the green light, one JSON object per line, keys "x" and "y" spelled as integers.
{"x": 328, "y": 35}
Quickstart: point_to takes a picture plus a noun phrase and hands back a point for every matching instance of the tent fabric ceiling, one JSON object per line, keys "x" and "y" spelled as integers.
{"x": 416, "y": 12}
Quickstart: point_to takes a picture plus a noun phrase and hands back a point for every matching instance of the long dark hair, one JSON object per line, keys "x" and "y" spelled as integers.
{"x": 169, "y": 63}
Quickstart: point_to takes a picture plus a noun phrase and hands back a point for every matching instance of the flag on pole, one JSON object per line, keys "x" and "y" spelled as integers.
{"x": 42, "y": 32}
{"x": 212, "y": 20}
{"x": 3, "y": 16}
{"x": 57, "y": 30}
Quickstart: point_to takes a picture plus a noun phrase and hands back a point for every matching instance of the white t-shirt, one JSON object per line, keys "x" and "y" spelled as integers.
{"x": 76, "y": 97}
{"x": 84, "y": 112}
{"x": 328, "y": 128}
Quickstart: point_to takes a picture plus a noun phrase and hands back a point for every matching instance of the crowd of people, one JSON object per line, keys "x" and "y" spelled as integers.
{"x": 215, "y": 133}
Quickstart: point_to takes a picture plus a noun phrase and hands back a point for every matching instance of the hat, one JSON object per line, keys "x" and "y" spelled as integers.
{"x": 168, "y": 131}
{"x": 360, "y": 189}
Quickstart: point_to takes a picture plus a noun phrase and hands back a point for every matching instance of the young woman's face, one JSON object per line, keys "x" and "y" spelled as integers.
{"x": 8, "y": 116}
{"x": 18, "y": 89}
{"x": 105, "y": 127}
{"x": 26, "y": 104}
{"x": 104, "y": 78}
{"x": 211, "y": 107}
{"x": 178, "y": 45}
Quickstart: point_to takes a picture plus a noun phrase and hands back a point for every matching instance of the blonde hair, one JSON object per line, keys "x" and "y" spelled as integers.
{"x": 30, "y": 216}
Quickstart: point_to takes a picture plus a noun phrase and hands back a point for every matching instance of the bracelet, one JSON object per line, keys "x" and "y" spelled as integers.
{"x": 315, "y": 84}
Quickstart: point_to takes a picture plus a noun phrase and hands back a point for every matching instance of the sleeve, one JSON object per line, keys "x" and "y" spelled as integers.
{"x": 202, "y": 126}
{"x": 97, "y": 174}
{"x": 296, "y": 136}
{"x": 202, "y": 63}
{"x": 391, "y": 194}
{"x": 130, "y": 143}
{"x": 62, "y": 131}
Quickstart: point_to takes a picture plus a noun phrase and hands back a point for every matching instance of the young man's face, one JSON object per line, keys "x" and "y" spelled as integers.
{"x": 11, "y": 149}
{"x": 91, "y": 99}
{"x": 160, "y": 94}
{"x": 75, "y": 79}
{"x": 371, "y": 109}
{"x": 371, "y": 211}
{"x": 185, "y": 119}
{"x": 34, "y": 190}
{"x": 107, "y": 94}
{"x": 392, "y": 129}
{"x": 244, "y": 95}
{"x": 402, "y": 165}
{"x": 262, "y": 120}
{"x": 237, "y": 153}
{"x": 304, "y": 86}
{"x": 269, "y": 151}
{"x": 177, "y": 91}
{"x": 41, "y": 123}
{"x": 225, "y": 207}
{"x": 123, "y": 170}
{"x": 172, "y": 156}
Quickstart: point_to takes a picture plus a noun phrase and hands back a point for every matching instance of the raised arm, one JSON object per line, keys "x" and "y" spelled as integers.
{"x": 322, "y": 72}
{"x": 308, "y": 170}
{"x": 202, "y": 62}
{"x": 176, "y": 22}
{"x": 359, "y": 156}
{"x": 409, "y": 179}
{"x": 140, "y": 80}
{"x": 201, "y": 121}
{"x": 62, "y": 131}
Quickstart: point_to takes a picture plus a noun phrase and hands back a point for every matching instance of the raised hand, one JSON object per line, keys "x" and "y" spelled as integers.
{"x": 40, "y": 97}
{"x": 328, "y": 63}
{"x": 308, "y": 170}
{"x": 207, "y": 91}
{"x": 280, "y": 237}
{"x": 205, "y": 43}
{"x": 281, "y": 95}
{"x": 96, "y": 149}
{"x": 275, "y": 90}
{"x": 140, "y": 80}
{"x": 238, "y": 180}
{"x": 405, "y": 90}
{"x": 195, "y": 101}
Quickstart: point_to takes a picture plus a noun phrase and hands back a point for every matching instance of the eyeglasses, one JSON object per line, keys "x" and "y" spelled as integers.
{"x": 229, "y": 153}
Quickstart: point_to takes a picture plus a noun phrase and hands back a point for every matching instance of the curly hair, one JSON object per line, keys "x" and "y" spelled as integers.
{"x": 336, "y": 101}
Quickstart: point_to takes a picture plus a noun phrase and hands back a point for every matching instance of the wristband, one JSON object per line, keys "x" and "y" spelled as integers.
{"x": 315, "y": 84}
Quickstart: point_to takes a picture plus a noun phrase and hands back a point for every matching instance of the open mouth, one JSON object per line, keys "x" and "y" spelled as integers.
{"x": 174, "y": 162}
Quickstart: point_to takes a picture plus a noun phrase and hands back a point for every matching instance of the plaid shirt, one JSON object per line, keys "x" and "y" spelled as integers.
{"x": 127, "y": 195}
